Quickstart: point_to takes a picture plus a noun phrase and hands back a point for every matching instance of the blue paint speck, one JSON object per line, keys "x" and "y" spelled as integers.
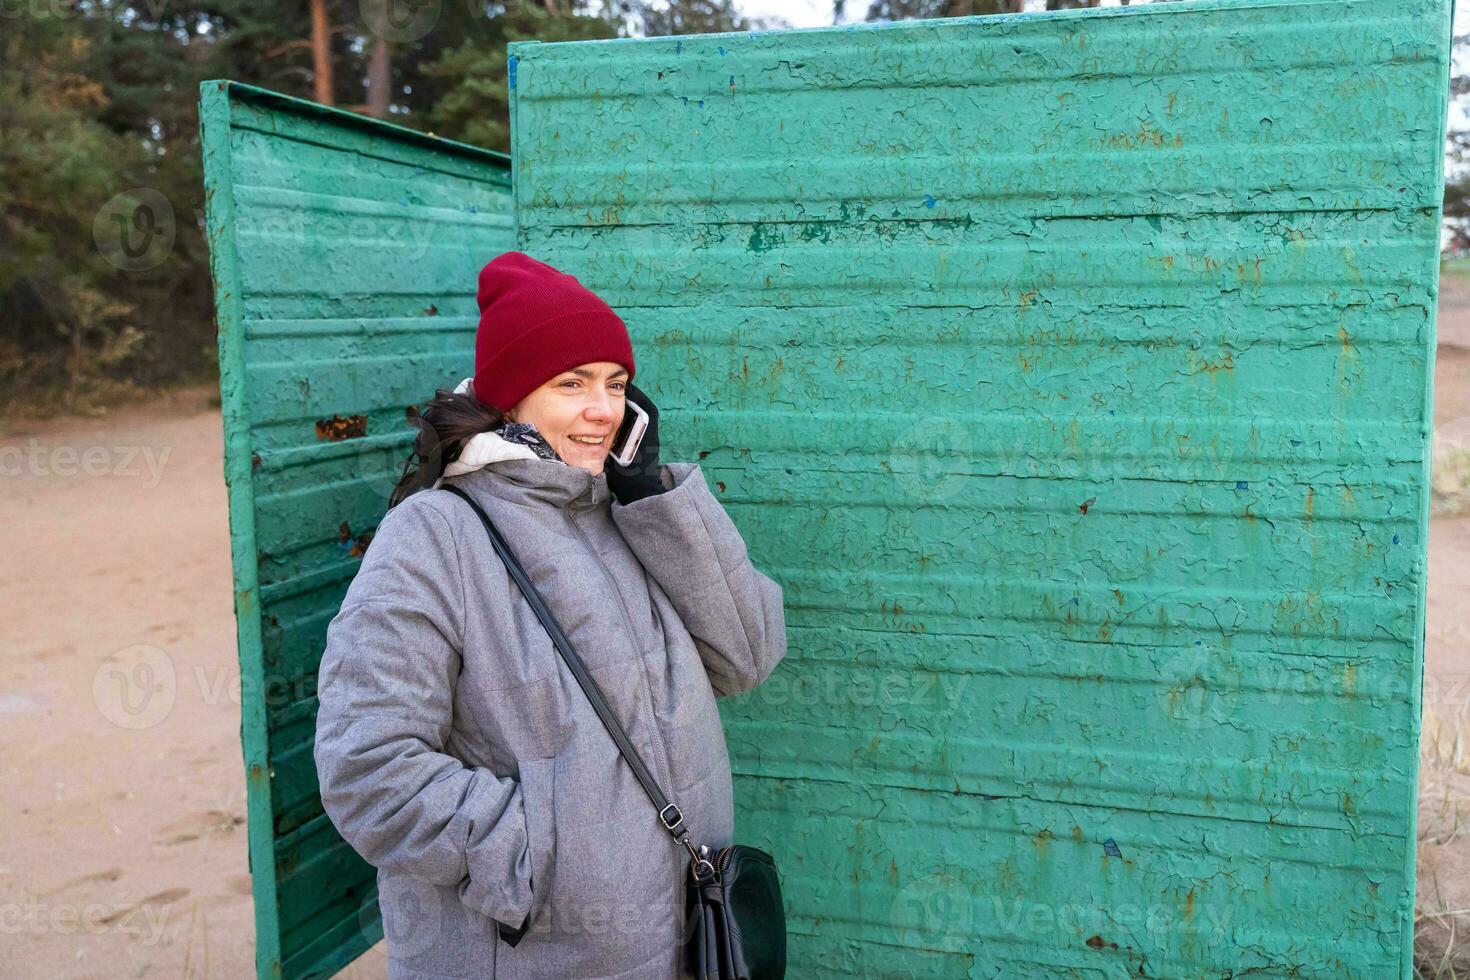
{"x": 929, "y": 200}
{"x": 511, "y": 69}
{"x": 1110, "y": 848}
{"x": 1073, "y": 600}
{"x": 1242, "y": 485}
{"x": 732, "y": 81}
{"x": 473, "y": 209}
{"x": 1296, "y": 442}
{"x": 1112, "y": 411}
{"x": 722, "y": 49}
{"x": 1395, "y": 539}
{"x": 678, "y": 47}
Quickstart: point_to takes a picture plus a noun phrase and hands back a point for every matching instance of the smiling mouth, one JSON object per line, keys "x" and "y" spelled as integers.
{"x": 587, "y": 441}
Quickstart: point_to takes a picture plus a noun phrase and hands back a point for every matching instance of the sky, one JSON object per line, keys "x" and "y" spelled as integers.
{"x": 817, "y": 13}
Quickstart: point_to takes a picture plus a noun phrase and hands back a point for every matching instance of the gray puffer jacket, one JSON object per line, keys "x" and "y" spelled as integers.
{"x": 458, "y": 755}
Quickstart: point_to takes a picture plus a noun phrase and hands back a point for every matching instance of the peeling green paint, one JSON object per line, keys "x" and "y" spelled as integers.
{"x": 1072, "y": 374}
{"x": 344, "y": 253}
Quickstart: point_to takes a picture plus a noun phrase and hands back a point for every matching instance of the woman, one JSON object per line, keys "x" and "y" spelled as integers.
{"x": 455, "y": 750}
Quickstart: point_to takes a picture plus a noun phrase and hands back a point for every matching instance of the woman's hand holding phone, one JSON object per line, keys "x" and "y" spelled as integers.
{"x": 641, "y": 477}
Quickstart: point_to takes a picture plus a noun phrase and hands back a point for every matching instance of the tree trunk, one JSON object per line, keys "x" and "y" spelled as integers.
{"x": 379, "y": 72}
{"x": 321, "y": 53}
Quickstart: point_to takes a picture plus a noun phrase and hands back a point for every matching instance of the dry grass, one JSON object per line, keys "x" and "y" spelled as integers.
{"x": 1442, "y": 916}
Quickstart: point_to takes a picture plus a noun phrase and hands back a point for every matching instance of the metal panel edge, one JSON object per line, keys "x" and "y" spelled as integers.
{"x": 1172, "y": 7}
{"x": 219, "y": 204}
{"x": 281, "y": 102}
{"x": 1421, "y": 612}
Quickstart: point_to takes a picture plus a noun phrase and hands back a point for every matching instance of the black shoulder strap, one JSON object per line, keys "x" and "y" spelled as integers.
{"x": 668, "y": 813}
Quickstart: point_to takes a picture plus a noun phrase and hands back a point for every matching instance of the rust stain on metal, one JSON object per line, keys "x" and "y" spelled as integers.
{"x": 337, "y": 428}
{"x": 355, "y": 546}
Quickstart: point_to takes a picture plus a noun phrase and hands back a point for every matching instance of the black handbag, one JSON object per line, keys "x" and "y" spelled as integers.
{"x": 735, "y": 925}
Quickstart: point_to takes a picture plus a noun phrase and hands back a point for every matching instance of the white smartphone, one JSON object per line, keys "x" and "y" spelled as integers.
{"x": 630, "y": 434}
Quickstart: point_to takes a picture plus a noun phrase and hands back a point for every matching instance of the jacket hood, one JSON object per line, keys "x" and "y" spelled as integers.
{"x": 522, "y": 474}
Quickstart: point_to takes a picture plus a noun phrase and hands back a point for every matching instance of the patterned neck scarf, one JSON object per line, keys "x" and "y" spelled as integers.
{"x": 526, "y": 434}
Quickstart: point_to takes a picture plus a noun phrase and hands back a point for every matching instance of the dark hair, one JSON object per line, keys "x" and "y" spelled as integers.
{"x": 444, "y": 426}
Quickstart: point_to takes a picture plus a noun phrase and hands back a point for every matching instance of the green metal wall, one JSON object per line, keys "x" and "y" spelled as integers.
{"x": 1071, "y": 372}
{"x": 344, "y": 255}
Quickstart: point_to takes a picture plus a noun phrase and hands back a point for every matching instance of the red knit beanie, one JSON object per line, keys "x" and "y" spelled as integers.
{"x": 536, "y": 322}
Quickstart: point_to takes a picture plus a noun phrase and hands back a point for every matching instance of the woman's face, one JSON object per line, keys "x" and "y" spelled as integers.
{"x": 575, "y": 407}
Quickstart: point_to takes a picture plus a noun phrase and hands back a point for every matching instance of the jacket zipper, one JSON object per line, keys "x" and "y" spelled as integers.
{"x": 644, "y": 686}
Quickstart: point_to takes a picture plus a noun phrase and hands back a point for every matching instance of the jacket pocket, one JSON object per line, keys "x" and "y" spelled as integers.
{"x": 510, "y": 878}
{"x": 538, "y": 796}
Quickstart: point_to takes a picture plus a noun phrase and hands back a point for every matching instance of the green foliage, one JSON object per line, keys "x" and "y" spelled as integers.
{"x": 104, "y": 271}
{"x": 100, "y": 155}
{"x": 693, "y": 17}
{"x": 474, "y": 106}
{"x": 60, "y": 162}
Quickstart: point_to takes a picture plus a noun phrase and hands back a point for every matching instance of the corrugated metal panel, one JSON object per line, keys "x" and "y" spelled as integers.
{"x": 1071, "y": 373}
{"x": 344, "y": 254}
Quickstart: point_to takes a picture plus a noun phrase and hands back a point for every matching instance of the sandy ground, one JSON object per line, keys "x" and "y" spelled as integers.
{"x": 122, "y": 793}
{"x": 1444, "y": 777}
{"x": 122, "y": 837}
